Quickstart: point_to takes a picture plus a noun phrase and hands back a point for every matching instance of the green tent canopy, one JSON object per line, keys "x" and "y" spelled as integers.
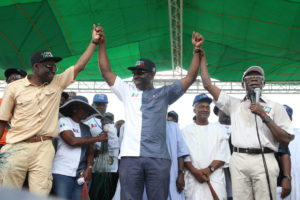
{"x": 238, "y": 34}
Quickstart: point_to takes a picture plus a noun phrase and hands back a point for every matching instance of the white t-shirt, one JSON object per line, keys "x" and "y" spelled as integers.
{"x": 67, "y": 158}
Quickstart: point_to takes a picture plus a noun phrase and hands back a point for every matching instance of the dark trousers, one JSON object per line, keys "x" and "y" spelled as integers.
{"x": 135, "y": 172}
{"x": 103, "y": 186}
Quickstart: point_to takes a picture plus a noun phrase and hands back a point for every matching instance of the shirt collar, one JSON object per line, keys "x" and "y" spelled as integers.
{"x": 28, "y": 83}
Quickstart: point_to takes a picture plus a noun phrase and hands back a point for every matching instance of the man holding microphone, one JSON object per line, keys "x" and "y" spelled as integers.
{"x": 249, "y": 170}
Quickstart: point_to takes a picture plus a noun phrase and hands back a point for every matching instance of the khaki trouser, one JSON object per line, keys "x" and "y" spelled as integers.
{"x": 35, "y": 158}
{"x": 248, "y": 176}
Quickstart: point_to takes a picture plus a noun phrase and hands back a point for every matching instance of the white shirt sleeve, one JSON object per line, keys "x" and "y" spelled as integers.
{"x": 187, "y": 159}
{"x": 282, "y": 119}
{"x": 226, "y": 102}
{"x": 64, "y": 124}
{"x": 223, "y": 152}
{"x": 120, "y": 88}
{"x": 113, "y": 140}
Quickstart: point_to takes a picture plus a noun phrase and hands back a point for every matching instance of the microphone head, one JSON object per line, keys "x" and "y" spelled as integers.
{"x": 257, "y": 92}
{"x": 252, "y": 96}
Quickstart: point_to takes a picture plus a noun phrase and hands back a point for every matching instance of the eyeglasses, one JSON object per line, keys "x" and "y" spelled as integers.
{"x": 258, "y": 77}
{"x": 14, "y": 78}
{"x": 50, "y": 67}
{"x": 139, "y": 72}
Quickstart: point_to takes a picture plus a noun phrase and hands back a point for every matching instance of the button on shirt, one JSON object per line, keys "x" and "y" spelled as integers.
{"x": 34, "y": 109}
{"x": 145, "y": 116}
{"x": 243, "y": 121}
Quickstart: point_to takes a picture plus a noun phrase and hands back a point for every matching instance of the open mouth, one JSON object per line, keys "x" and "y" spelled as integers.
{"x": 254, "y": 85}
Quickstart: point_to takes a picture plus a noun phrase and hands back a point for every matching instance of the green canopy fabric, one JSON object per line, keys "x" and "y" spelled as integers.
{"x": 238, "y": 34}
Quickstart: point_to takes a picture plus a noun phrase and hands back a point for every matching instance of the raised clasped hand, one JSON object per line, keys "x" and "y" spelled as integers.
{"x": 98, "y": 34}
{"x": 197, "y": 40}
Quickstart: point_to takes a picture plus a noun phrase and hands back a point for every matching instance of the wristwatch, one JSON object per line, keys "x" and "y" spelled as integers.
{"x": 211, "y": 168}
{"x": 267, "y": 119}
{"x": 181, "y": 172}
{"x": 95, "y": 42}
{"x": 288, "y": 177}
{"x": 197, "y": 51}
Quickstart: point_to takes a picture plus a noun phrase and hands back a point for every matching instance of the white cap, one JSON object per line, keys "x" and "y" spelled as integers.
{"x": 254, "y": 69}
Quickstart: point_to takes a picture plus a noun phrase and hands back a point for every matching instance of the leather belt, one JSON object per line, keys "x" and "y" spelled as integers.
{"x": 252, "y": 150}
{"x": 38, "y": 138}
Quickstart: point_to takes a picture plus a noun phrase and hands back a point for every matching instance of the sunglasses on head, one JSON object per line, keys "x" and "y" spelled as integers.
{"x": 14, "y": 78}
{"x": 139, "y": 72}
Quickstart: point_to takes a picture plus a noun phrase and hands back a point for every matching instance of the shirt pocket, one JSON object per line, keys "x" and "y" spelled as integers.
{"x": 49, "y": 96}
{"x": 26, "y": 104}
{"x": 50, "y": 91}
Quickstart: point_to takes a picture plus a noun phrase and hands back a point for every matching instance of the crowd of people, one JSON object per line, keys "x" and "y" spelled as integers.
{"x": 57, "y": 143}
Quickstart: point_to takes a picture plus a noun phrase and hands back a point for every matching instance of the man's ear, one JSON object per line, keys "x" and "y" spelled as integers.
{"x": 194, "y": 110}
{"x": 243, "y": 84}
{"x": 152, "y": 74}
{"x": 35, "y": 67}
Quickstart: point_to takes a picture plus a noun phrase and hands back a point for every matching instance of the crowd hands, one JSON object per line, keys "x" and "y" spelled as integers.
{"x": 101, "y": 141}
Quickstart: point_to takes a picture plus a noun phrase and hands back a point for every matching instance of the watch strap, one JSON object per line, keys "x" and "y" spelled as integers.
{"x": 267, "y": 119}
{"x": 197, "y": 51}
{"x": 288, "y": 177}
{"x": 94, "y": 42}
{"x": 211, "y": 168}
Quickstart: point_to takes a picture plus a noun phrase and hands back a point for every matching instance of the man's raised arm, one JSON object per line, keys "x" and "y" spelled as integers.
{"x": 103, "y": 61}
{"x": 186, "y": 82}
{"x": 87, "y": 55}
{"x": 212, "y": 89}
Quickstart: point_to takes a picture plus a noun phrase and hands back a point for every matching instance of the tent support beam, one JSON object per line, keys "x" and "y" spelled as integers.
{"x": 175, "y": 24}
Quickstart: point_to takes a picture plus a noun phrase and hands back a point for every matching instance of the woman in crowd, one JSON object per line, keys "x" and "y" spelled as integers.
{"x": 73, "y": 161}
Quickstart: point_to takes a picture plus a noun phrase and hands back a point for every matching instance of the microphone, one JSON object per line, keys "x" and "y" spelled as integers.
{"x": 252, "y": 96}
{"x": 257, "y": 92}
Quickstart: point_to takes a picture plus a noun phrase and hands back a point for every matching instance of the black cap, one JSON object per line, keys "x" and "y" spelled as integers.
{"x": 10, "y": 71}
{"x": 144, "y": 64}
{"x": 43, "y": 56}
{"x": 65, "y": 95}
{"x": 174, "y": 115}
{"x": 110, "y": 116}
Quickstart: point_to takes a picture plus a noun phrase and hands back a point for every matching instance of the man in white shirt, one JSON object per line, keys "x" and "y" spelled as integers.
{"x": 247, "y": 170}
{"x": 144, "y": 154}
{"x": 209, "y": 153}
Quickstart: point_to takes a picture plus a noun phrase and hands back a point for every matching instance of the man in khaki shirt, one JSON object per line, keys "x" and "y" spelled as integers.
{"x": 33, "y": 103}
{"x": 273, "y": 125}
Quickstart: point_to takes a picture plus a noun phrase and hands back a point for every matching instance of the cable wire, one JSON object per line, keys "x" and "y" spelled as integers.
{"x": 264, "y": 160}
